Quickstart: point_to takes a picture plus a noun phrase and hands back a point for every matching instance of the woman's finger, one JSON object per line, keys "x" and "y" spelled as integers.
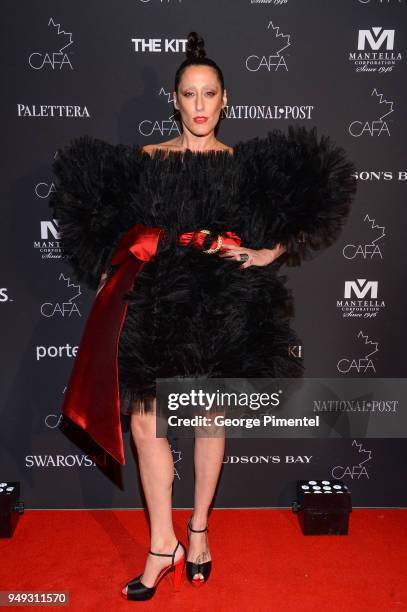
{"x": 228, "y": 255}
{"x": 248, "y": 263}
{"x": 234, "y": 255}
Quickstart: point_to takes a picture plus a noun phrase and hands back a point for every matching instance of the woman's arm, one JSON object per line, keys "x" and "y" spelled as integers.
{"x": 257, "y": 257}
{"x": 87, "y": 204}
{"x": 298, "y": 189}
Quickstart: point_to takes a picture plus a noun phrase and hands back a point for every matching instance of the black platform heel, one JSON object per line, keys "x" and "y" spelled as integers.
{"x": 137, "y": 591}
{"x": 192, "y": 569}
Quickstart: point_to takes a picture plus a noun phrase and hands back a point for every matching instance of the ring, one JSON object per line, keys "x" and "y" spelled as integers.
{"x": 244, "y": 256}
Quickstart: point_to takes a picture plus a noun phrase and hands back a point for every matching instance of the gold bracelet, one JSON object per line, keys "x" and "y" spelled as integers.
{"x": 218, "y": 246}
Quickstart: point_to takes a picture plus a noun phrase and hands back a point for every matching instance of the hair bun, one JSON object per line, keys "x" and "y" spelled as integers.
{"x": 195, "y": 46}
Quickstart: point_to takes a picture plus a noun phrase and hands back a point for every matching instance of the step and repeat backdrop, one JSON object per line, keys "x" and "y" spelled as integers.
{"x": 106, "y": 69}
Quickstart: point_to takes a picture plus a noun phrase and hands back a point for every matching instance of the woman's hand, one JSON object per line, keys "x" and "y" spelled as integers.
{"x": 257, "y": 257}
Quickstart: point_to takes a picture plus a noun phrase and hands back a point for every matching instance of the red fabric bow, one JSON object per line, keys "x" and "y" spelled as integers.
{"x": 92, "y": 398}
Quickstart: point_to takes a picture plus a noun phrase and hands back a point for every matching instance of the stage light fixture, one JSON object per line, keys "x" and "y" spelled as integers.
{"x": 323, "y": 507}
{"x": 10, "y": 508}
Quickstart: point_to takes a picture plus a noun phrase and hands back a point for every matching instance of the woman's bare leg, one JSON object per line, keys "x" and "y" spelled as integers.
{"x": 157, "y": 475}
{"x": 208, "y": 458}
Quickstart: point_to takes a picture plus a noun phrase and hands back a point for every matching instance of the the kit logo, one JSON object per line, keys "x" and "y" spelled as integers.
{"x": 159, "y": 45}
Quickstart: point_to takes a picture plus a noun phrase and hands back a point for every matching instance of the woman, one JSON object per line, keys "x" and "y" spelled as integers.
{"x": 184, "y": 241}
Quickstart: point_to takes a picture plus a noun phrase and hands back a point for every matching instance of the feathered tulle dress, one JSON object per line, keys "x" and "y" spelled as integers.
{"x": 168, "y": 308}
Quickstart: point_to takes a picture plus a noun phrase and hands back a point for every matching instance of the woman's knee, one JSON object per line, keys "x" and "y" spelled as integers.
{"x": 143, "y": 426}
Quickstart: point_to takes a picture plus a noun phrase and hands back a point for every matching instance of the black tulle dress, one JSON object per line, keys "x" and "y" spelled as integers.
{"x": 187, "y": 312}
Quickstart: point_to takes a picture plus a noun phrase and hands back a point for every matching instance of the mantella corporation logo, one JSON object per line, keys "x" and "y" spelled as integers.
{"x": 361, "y": 299}
{"x": 375, "y": 51}
{"x": 49, "y": 244}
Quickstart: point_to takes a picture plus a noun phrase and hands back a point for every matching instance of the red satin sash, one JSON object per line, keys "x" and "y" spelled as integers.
{"x": 92, "y": 398}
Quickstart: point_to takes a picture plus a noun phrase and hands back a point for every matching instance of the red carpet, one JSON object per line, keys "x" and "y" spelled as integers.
{"x": 261, "y": 562}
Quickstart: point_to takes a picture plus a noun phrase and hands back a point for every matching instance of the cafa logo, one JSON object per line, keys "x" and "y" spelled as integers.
{"x": 49, "y": 244}
{"x": 371, "y": 249}
{"x": 66, "y": 308}
{"x": 58, "y": 59}
{"x": 364, "y": 362}
{"x": 358, "y": 469}
{"x": 375, "y": 51}
{"x": 275, "y": 58}
{"x": 52, "y": 421}
{"x": 168, "y": 127}
{"x": 176, "y": 456}
{"x": 377, "y": 124}
{"x": 43, "y": 190}
{"x": 356, "y": 303}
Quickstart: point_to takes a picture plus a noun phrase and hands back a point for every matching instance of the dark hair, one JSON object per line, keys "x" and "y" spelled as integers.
{"x": 196, "y": 55}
